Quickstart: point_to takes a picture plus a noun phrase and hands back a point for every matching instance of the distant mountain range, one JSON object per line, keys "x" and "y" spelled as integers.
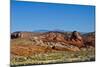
{"x": 51, "y": 30}
{"x": 41, "y": 31}
{"x": 89, "y": 34}
{"x": 57, "y": 30}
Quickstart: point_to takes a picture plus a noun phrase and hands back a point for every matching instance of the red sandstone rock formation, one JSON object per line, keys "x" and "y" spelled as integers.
{"x": 89, "y": 41}
{"x": 75, "y": 39}
{"x": 53, "y": 36}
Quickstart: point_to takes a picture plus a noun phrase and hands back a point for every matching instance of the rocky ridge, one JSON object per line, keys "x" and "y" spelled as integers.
{"x": 52, "y": 41}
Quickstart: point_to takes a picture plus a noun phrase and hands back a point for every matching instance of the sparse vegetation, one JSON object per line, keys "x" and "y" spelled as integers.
{"x": 54, "y": 57}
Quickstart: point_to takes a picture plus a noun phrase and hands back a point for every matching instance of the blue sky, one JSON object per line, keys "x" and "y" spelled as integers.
{"x": 32, "y": 16}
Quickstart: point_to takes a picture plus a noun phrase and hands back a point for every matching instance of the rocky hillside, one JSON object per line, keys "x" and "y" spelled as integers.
{"x": 89, "y": 39}
{"x": 48, "y": 41}
{"x": 51, "y": 47}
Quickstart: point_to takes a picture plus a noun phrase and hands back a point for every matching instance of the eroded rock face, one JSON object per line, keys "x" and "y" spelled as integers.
{"x": 75, "y": 39}
{"x": 76, "y": 36}
{"x": 27, "y": 50}
{"x": 58, "y": 40}
{"x": 53, "y": 36}
{"x": 25, "y": 35}
{"x": 89, "y": 40}
{"x": 50, "y": 41}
